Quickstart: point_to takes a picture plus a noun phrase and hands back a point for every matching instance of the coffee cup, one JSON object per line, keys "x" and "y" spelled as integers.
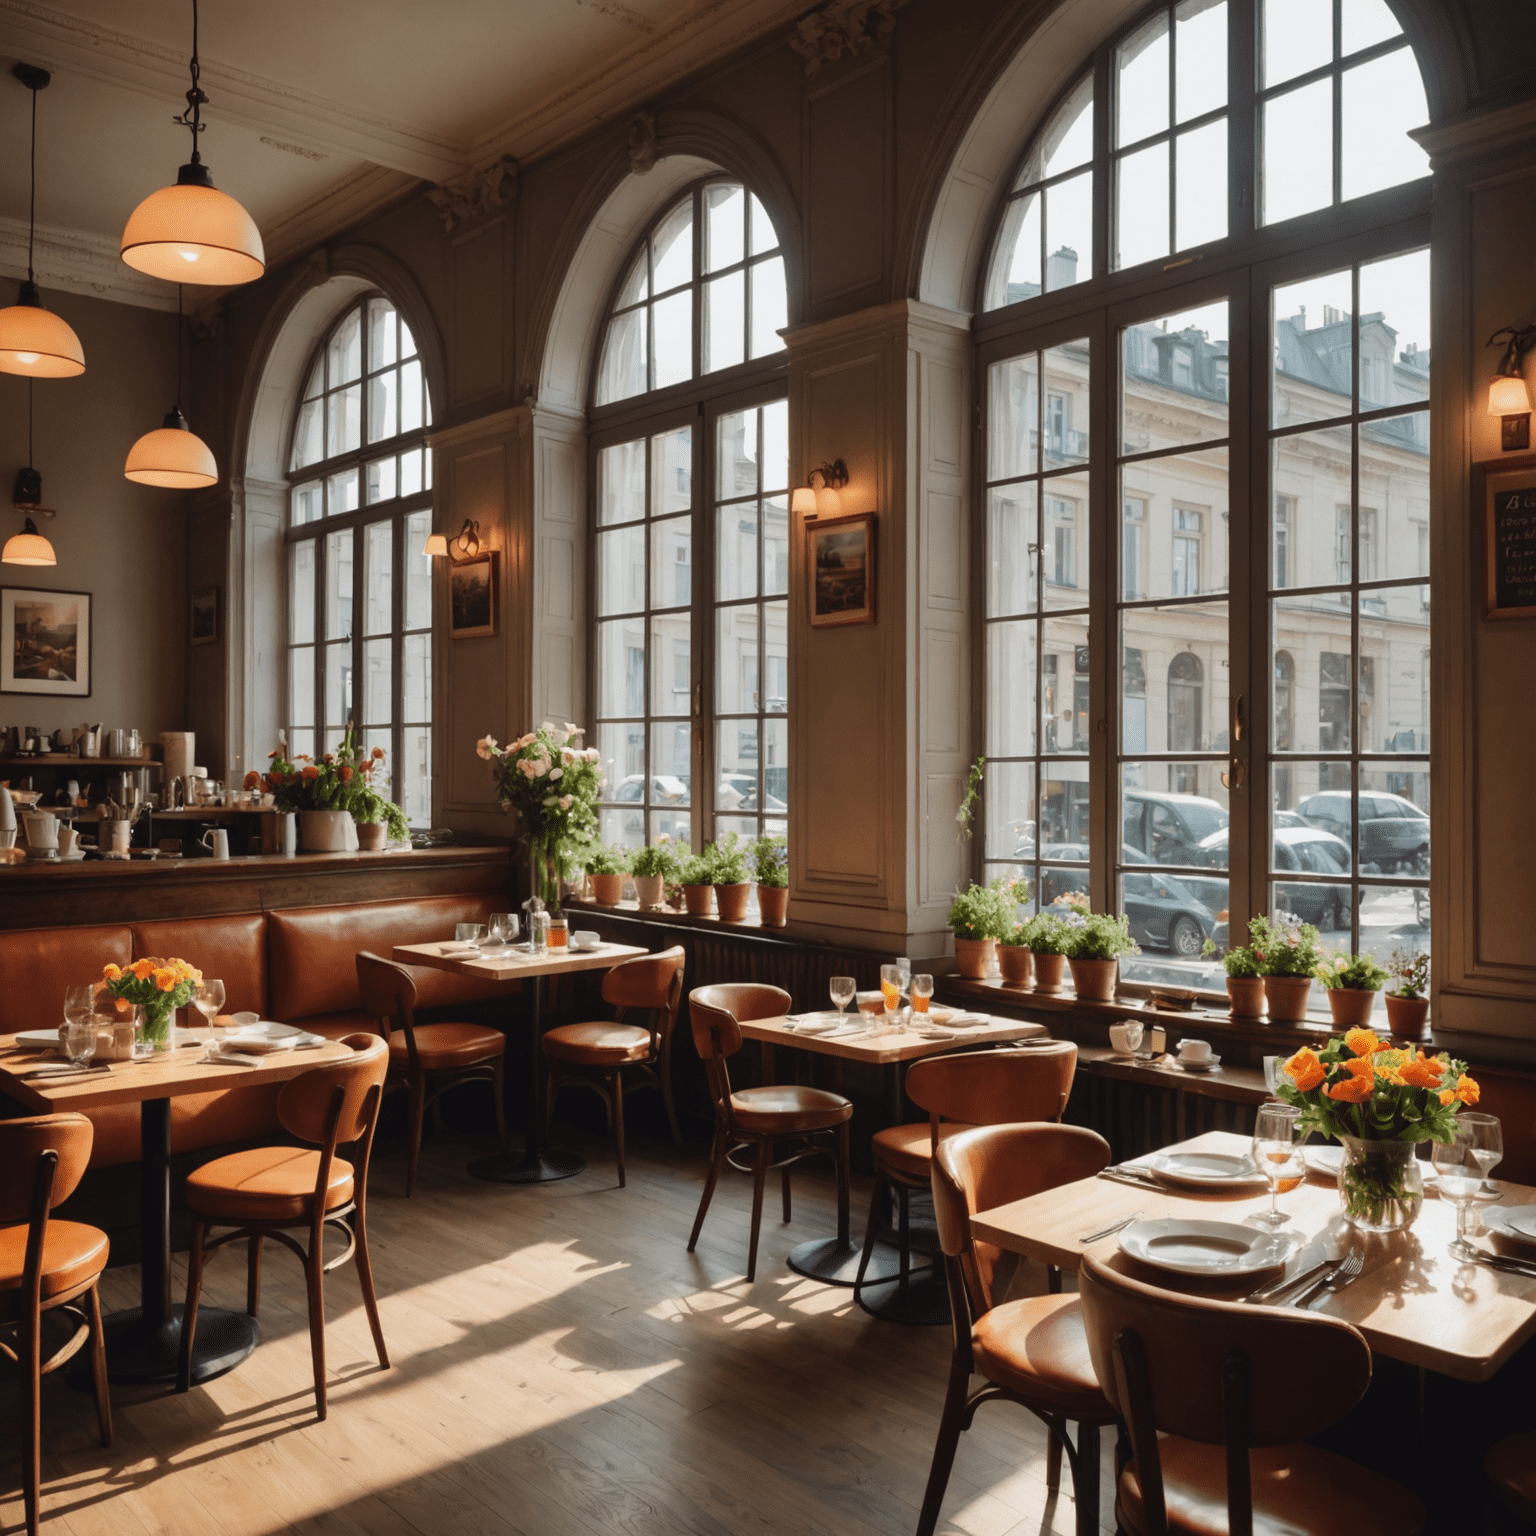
{"x": 42, "y": 830}
{"x": 1120, "y": 1037}
{"x": 67, "y": 840}
{"x": 586, "y": 938}
{"x": 1194, "y": 1050}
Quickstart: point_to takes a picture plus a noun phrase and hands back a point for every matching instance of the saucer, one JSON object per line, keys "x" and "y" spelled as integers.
{"x": 1208, "y": 1065}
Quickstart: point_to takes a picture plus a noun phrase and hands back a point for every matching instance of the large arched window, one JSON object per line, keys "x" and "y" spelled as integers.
{"x": 1204, "y": 327}
{"x": 690, "y": 449}
{"x": 359, "y": 586}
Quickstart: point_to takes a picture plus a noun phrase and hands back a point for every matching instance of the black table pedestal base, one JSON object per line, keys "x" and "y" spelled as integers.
{"x": 835, "y": 1263}
{"x": 140, "y": 1354}
{"x": 924, "y": 1302}
{"x": 538, "y": 1166}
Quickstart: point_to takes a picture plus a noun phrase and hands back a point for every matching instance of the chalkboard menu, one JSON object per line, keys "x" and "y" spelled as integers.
{"x": 1512, "y": 543}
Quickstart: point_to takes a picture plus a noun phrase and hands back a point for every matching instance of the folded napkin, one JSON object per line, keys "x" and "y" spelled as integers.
{"x": 222, "y": 1053}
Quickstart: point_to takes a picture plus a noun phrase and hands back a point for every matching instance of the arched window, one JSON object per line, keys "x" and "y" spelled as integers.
{"x": 359, "y": 586}
{"x": 1212, "y": 257}
{"x": 690, "y": 449}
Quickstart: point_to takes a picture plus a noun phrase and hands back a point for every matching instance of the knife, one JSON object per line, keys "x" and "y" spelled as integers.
{"x": 1508, "y": 1265}
{"x": 1135, "y": 1180}
{"x": 1267, "y": 1293}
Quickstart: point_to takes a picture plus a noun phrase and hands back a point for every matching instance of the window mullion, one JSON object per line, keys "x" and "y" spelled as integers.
{"x": 701, "y": 703}
{"x": 1104, "y": 536}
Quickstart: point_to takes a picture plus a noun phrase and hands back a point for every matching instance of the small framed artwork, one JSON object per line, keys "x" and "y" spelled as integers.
{"x": 472, "y": 597}
{"x": 842, "y": 576}
{"x": 205, "y": 616}
{"x": 47, "y": 642}
{"x": 1509, "y": 497}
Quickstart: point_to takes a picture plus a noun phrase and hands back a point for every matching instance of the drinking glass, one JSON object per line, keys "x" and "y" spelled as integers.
{"x": 1462, "y": 1165}
{"x": 79, "y": 1003}
{"x": 469, "y": 933}
{"x": 843, "y": 989}
{"x": 922, "y": 991}
{"x": 505, "y": 927}
{"x": 209, "y": 1000}
{"x": 1134, "y": 1030}
{"x": 890, "y": 987}
{"x": 538, "y": 931}
{"x": 1278, "y": 1154}
{"x": 904, "y": 965}
{"x": 79, "y": 1040}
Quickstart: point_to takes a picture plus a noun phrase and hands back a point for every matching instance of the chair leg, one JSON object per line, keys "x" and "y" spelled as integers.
{"x": 1085, "y": 1479}
{"x": 98, "y": 1348}
{"x": 950, "y": 1427}
{"x": 189, "y": 1312}
{"x": 314, "y": 1266}
{"x": 716, "y": 1157}
{"x": 1053, "y": 1461}
{"x": 785, "y": 1180}
{"x": 253, "y": 1273}
{"x": 418, "y": 1093}
{"x": 759, "y": 1178}
{"x": 616, "y": 1093}
{"x": 664, "y": 1075}
{"x": 498, "y": 1066}
{"x": 365, "y": 1281}
{"x": 31, "y": 1363}
{"x": 903, "y": 1237}
{"x": 875, "y": 1206}
{"x": 842, "y": 1185}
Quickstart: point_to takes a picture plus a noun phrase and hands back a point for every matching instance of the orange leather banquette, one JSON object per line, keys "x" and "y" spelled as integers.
{"x": 296, "y": 966}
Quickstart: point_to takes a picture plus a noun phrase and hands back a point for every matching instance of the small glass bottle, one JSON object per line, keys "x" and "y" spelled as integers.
{"x": 559, "y": 936}
{"x": 538, "y": 931}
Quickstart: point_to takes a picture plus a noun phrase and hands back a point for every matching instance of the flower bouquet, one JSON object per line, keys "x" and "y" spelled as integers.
{"x": 341, "y": 781}
{"x": 1379, "y": 1101}
{"x": 156, "y": 987}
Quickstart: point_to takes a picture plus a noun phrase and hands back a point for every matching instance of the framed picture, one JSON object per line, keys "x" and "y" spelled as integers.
{"x": 472, "y": 597}
{"x": 205, "y": 616}
{"x": 47, "y": 642}
{"x": 842, "y": 575}
{"x": 1509, "y": 497}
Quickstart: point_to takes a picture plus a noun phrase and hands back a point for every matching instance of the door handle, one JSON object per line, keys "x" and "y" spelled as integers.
{"x": 1234, "y": 779}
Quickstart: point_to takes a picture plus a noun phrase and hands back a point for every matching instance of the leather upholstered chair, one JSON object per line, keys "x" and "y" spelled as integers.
{"x": 966, "y": 1089}
{"x": 1031, "y": 1351}
{"x": 269, "y": 1191}
{"x": 1219, "y": 1398}
{"x": 1511, "y": 1464}
{"x": 758, "y": 1117}
{"x": 597, "y": 1055}
{"x": 439, "y": 1055}
{"x": 47, "y": 1266}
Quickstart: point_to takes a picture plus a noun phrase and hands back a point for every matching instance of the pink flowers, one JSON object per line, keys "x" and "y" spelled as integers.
{"x": 486, "y": 748}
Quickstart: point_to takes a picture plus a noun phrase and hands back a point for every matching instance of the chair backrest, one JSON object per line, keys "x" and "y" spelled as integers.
{"x": 304, "y": 1104}
{"x": 22, "y": 1143}
{"x": 1220, "y": 1372}
{"x": 716, "y": 1014}
{"x": 993, "y": 1165}
{"x": 649, "y": 981}
{"x": 389, "y": 993}
{"x": 995, "y": 1087}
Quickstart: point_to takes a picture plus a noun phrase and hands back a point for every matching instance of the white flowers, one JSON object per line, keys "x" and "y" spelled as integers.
{"x": 567, "y": 756}
{"x": 486, "y": 748}
{"x": 557, "y": 774}
{"x": 565, "y": 802}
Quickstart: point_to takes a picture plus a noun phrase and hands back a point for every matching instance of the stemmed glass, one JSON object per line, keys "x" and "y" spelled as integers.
{"x": 1278, "y": 1153}
{"x": 79, "y": 1003}
{"x": 922, "y": 991}
{"x": 843, "y": 990}
{"x": 209, "y": 1000}
{"x": 1462, "y": 1165}
{"x": 505, "y": 927}
{"x": 469, "y": 933}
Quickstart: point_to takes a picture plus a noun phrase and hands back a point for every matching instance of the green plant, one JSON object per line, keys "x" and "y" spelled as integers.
{"x": 1101, "y": 936}
{"x": 1284, "y": 948}
{"x": 608, "y": 860}
{"x": 652, "y": 860}
{"x": 341, "y": 781}
{"x": 1018, "y": 938}
{"x": 1355, "y": 973}
{"x": 1239, "y": 961}
{"x": 986, "y": 911}
{"x": 967, "y": 812}
{"x": 770, "y": 861}
{"x": 1410, "y": 969}
{"x": 694, "y": 868}
{"x": 727, "y": 861}
{"x": 1048, "y": 934}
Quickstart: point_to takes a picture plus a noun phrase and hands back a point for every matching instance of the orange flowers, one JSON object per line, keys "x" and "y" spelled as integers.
{"x": 166, "y": 980}
{"x": 311, "y": 772}
{"x": 1421, "y": 1072}
{"x": 344, "y": 774}
{"x": 143, "y": 969}
{"x": 252, "y": 780}
{"x": 1363, "y": 1042}
{"x": 1466, "y": 1090}
{"x": 1358, "y": 1086}
{"x": 378, "y": 752}
{"x": 1304, "y": 1069}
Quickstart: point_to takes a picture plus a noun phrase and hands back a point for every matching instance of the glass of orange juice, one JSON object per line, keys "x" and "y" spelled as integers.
{"x": 922, "y": 991}
{"x": 890, "y": 987}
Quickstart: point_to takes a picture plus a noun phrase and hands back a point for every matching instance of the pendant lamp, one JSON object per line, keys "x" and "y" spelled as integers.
{"x": 33, "y": 340}
{"x": 173, "y": 455}
{"x": 192, "y": 232}
{"x": 28, "y": 547}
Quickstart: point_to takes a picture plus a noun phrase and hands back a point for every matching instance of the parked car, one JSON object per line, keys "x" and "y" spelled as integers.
{"x": 1394, "y": 832}
{"x": 1164, "y": 913}
{"x": 738, "y": 792}
{"x": 1169, "y": 829}
{"x": 665, "y": 789}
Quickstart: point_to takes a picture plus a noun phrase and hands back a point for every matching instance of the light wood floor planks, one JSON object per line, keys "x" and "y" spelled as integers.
{"x": 561, "y": 1367}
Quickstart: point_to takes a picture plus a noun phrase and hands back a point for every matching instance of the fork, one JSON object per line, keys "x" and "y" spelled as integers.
{"x": 1110, "y": 1231}
{"x": 1348, "y": 1269}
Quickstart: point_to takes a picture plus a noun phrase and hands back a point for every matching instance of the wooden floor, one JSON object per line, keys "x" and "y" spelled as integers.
{"x": 561, "y": 1366}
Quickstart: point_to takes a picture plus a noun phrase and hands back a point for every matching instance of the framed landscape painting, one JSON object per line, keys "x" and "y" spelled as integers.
{"x": 842, "y": 575}
{"x": 47, "y": 642}
{"x": 472, "y": 597}
{"x": 205, "y": 616}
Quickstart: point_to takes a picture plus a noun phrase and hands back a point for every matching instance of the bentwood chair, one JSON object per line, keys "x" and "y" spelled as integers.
{"x": 1031, "y": 1351}
{"x": 1511, "y": 1464}
{"x": 597, "y": 1055}
{"x": 970, "y": 1088}
{"x": 1218, "y": 1398}
{"x": 47, "y": 1266}
{"x": 756, "y": 1118}
{"x": 425, "y": 1057}
{"x": 269, "y": 1191}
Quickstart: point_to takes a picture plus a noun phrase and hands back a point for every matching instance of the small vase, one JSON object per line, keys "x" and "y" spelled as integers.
{"x": 1017, "y": 965}
{"x": 1049, "y": 972}
{"x": 1247, "y": 996}
{"x": 649, "y": 890}
{"x": 155, "y": 1031}
{"x": 973, "y": 957}
{"x": 372, "y": 836}
{"x": 607, "y": 890}
{"x": 326, "y": 831}
{"x": 773, "y": 905}
{"x": 1095, "y": 980}
{"x": 1286, "y": 997}
{"x": 1351, "y": 1006}
{"x": 1407, "y": 1015}
{"x": 699, "y": 899}
{"x": 731, "y": 901}
{"x": 1381, "y": 1185}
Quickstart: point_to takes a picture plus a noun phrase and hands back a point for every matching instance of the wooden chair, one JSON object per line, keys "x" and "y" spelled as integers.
{"x": 267, "y": 1191}
{"x": 970, "y": 1088}
{"x": 1511, "y": 1464}
{"x": 47, "y": 1266}
{"x": 1218, "y": 1398}
{"x": 443, "y": 1055}
{"x": 1032, "y": 1351}
{"x": 758, "y": 1117}
{"x": 597, "y": 1055}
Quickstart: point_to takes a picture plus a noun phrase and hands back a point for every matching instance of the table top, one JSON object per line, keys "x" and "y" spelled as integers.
{"x": 513, "y": 964}
{"x": 889, "y": 1045}
{"x": 1413, "y": 1301}
{"x": 164, "y": 1076}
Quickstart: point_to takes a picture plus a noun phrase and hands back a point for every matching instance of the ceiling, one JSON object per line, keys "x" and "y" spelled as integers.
{"x": 319, "y": 110}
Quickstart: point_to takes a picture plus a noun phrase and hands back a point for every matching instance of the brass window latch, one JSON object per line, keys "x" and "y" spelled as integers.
{"x": 1233, "y": 779}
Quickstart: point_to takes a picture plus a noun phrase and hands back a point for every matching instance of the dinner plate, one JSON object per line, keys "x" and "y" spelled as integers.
{"x": 819, "y": 1023}
{"x": 1324, "y": 1160}
{"x": 1204, "y": 1170}
{"x": 1518, "y": 1222}
{"x": 1202, "y": 1247}
{"x": 44, "y": 1039}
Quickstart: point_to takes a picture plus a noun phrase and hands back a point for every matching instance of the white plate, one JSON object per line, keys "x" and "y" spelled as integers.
{"x": 819, "y": 1023}
{"x": 1202, "y": 1247}
{"x": 1518, "y": 1222}
{"x": 1204, "y": 1170}
{"x": 1324, "y": 1160}
{"x": 1208, "y": 1065}
{"x": 43, "y": 1039}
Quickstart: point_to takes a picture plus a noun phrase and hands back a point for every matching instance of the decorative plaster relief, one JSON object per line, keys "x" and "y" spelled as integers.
{"x": 843, "y": 26}
{"x": 643, "y": 147}
{"x": 473, "y": 193}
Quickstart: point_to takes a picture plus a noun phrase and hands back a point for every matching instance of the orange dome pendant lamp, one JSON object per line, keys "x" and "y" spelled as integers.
{"x": 173, "y": 455}
{"x": 28, "y": 547}
{"x": 192, "y": 232}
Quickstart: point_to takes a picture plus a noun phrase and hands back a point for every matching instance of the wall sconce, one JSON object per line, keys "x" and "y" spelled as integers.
{"x": 1508, "y": 397}
{"x": 437, "y": 544}
{"x": 821, "y": 499}
{"x": 464, "y": 545}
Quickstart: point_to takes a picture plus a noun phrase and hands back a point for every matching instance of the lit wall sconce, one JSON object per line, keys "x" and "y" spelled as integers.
{"x": 437, "y": 544}
{"x": 821, "y": 497}
{"x": 464, "y": 545}
{"x": 1508, "y": 398}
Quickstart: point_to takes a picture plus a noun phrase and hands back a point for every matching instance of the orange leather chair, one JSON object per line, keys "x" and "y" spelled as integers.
{"x": 971, "y": 1088}
{"x": 758, "y": 1117}
{"x": 47, "y": 1266}
{"x": 268, "y": 1191}
{"x": 447, "y": 1054}
{"x": 597, "y": 1055}
{"x": 1235, "y": 1391}
{"x": 1512, "y": 1466}
{"x": 1032, "y": 1351}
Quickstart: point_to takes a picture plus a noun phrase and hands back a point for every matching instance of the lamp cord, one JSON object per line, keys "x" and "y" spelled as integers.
{"x": 196, "y": 99}
{"x": 32, "y": 201}
{"x": 29, "y": 408}
{"x": 178, "y": 348}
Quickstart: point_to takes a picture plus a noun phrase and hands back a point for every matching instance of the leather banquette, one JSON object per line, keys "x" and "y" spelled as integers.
{"x": 297, "y": 966}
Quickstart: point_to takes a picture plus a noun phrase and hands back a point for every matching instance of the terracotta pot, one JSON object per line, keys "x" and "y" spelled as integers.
{"x": 1286, "y": 998}
{"x": 1407, "y": 1015}
{"x": 1351, "y": 1007}
{"x": 1049, "y": 972}
{"x": 973, "y": 957}
{"x": 1095, "y": 980}
{"x": 607, "y": 890}
{"x": 327, "y": 831}
{"x": 732, "y": 901}
{"x": 1247, "y": 996}
{"x": 649, "y": 889}
{"x": 773, "y": 905}
{"x": 1017, "y": 965}
{"x": 699, "y": 899}
{"x": 372, "y": 835}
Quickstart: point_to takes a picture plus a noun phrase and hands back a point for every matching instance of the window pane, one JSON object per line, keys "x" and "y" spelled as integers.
{"x": 1174, "y": 814}
{"x": 301, "y": 592}
{"x": 621, "y": 570}
{"x": 1310, "y": 478}
{"x": 1394, "y": 669}
{"x": 1394, "y": 320}
{"x": 1015, "y": 270}
{"x": 1013, "y": 416}
{"x": 672, "y": 471}
{"x": 1171, "y": 917}
{"x": 1201, "y": 214}
{"x": 1064, "y": 540}
{"x": 338, "y": 585}
{"x": 736, "y": 459}
{"x": 378, "y": 580}
{"x": 378, "y": 703}
{"x": 301, "y": 691}
{"x": 1366, "y": 23}
{"x": 1010, "y": 808}
{"x": 1013, "y": 531}
{"x": 1201, "y": 40}
{"x": 381, "y": 480}
{"x": 383, "y": 406}
{"x": 1314, "y": 634}
{"x": 1068, "y": 139}
{"x": 622, "y": 372}
{"x": 621, "y": 750}
{"x": 344, "y": 351}
{"x": 418, "y": 571}
{"x": 1394, "y": 819}
{"x": 724, "y": 226}
{"x": 382, "y": 338}
{"x": 338, "y": 691}
{"x": 1010, "y": 689}
{"x": 1175, "y": 660}
{"x": 1180, "y": 546}
{"x": 407, "y": 341}
{"x": 621, "y": 668}
{"x": 343, "y": 420}
{"x": 737, "y": 758}
{"x": 1298, "y": 37}
{"x": 414, "y": 782}
{"x": 736, "y": 660}
{"x": 775, "y": 573}
{"x": 672, "y": 326}
{"x": 308, "y": 443}
{"x": 1394, "y": 469}
{"x": 301, "y": 739}
{"x": 341, "y": 493}
{"x": 1313, "y": 349}
{"x": 1067, "y": 410}
{"x": 775, "y": 657}
{"x": 1069, "y": 232}
{"x": 1298, "y": 152}
{"x": 672, "y": 563}
{"x": 724, "y": 322}
{"x": 1393, "y": 919}
{"x": 416, "y": 696}
{"x": 1063, "y": 828}
{"x": 1382, "y": 101}
{"x": 1064, "y": 720}
{"x": 306, "y": 503}
{"x": 621, "y": 482}
{"x": 764, "y": 236}
{"x": 671, "y": 763}
{"x": 411, "y": 466}
{"x": 637, "y": 285}
{"x": 672, "y": 248}
{"x": 1174, "y": 388}
{"x": 1141, "y": 64}
{"x": 1141, "y": 210}
{"x": 671, "y": 660}
{"x": 775, "y": 449}
{"x": 412, "y": 405}
{"x": 770, "y": 307}
{"x": 775, "y": 740}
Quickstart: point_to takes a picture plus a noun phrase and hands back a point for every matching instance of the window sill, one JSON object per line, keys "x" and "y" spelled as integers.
{"x": 673, "y": 917}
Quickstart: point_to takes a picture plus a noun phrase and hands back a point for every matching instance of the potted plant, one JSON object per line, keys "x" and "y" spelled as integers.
{"x": 1014, "y": 958}
{"x": 770, "y": 866}
{"x": 1288, "y": 957}
{"x": 978, "y": 916}
{"x": 607, "y": 866}
{"x": 378, "y": 819}
{"x": 728, "y": 875}
{"x": 1407, "y": 1006}
{"x": 696, "y": 875}
{"x": 1049, "y": 936}
{"x": 1245, "y": 986}
{"x": 1352, "y": 982}
{"x": 1096, "y": 944}
{"x": 651, "y": 868}
{"x": 335, "y": 797}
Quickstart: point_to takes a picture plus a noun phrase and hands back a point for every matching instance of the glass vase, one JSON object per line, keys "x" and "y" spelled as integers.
{"x": 1381, "y": 1185}
{"x": 153, "y": 1031}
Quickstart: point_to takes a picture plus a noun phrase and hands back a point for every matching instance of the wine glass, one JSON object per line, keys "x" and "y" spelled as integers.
{"x": 843, "y": 989}
{"x": 890, "y": 987}
{"x": 1462, "y": 1165}
{"x": 505, "y": 927}
{"x": 469, "y": 933}
{"x": 209, "y": 1000}
{"x": 79, "y": 1003}
{"x": 1278, "y": 1153}
{"x": 922, "y": 992}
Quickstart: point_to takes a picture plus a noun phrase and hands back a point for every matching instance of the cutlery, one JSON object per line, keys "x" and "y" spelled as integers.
{"x": 53, "y": 1077}
{"x": 1135, "y": 1180}
{"x": 1110, "y": 1231}
{"x": 1499, "y": 1261}
{"x": 1346, "y": 1269}
{"x": 1267, "y": 1294}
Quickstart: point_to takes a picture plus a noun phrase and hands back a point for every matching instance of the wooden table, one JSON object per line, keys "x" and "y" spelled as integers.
{"x": 144, "y": 1342}
{"x": 1413, "y": 1302}
{"x": 537, "y": 1164}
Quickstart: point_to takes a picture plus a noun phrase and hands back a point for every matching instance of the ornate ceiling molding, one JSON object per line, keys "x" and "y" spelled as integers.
{"x": 843, "y": 26}
{"x": 76, "y": 262}
{"x": 474, "y": 193}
